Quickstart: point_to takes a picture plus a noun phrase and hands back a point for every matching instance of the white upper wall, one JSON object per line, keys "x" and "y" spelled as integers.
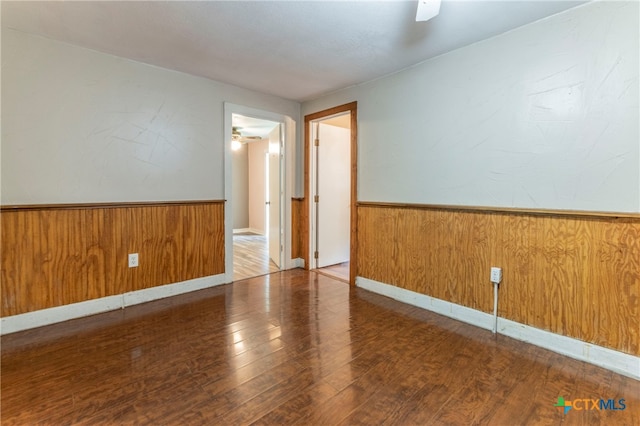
{"x": 544, "y": 116}
{"x": 80, "y": 126}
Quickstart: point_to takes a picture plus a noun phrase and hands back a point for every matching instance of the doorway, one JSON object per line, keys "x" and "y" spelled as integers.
{"x": 330, "y": 181}
{"x": 257, "y": 194}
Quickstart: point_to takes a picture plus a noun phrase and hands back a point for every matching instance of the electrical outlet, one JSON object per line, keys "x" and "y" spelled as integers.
{"x": 496, "y": 275}
{"x": 133, "y": 260}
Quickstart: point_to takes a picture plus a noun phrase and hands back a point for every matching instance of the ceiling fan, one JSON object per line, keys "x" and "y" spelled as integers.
{"x": 236, "y": 135}
{"x": 427, "y": 9}
{"x": 237, "y": 140}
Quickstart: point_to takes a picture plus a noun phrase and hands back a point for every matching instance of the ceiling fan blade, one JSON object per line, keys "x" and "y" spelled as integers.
{"x": 427, "y": 9}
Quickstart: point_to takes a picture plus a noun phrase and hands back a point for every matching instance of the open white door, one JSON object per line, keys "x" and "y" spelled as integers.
{"x": 275, "y": 226}
{"x": 333, "y": 195}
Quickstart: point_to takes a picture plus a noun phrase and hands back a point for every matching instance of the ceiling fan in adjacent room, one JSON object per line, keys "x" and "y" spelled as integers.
{"x": 427, "y": 9}
{"x": 237, "y": 139}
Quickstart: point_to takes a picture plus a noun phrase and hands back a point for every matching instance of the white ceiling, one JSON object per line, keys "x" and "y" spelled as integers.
{"x": 297, "y": 50}
{"x": 250, "y": 126}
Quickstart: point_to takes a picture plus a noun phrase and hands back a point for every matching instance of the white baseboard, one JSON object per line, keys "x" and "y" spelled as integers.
{"x": 247, "y": 230}
{"x": 298, "y": 262}
{"x": 610, "y": 359}
{"x": 160, "y": 292}
{"x": 57, "y": 314}
{"x": 241, "y": 230}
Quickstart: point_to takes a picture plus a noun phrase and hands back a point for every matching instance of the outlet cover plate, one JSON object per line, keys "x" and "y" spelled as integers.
{"x": 496, "y": 275}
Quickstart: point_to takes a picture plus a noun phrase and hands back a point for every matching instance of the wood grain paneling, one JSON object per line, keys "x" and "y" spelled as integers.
{"x": 298, "y": 228}
{"x": 88, "y": 206}
{"x": 42, "y": 256}
{"x": 569, "y": 274}
{"x": 63, "y": 254}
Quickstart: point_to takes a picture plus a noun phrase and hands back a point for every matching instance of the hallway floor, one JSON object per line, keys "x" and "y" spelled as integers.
{"x": 251, "y": 256}
{"x": 339, "y": 271}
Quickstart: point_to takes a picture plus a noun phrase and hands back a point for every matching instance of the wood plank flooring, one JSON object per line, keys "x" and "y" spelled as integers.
{"x": 294, "y": 347}
{"x": 339, "y": 271}
{"x": 251, "y": 256}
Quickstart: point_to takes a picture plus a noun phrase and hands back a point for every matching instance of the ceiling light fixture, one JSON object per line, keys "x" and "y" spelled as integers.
{"x": 427, "y": 9}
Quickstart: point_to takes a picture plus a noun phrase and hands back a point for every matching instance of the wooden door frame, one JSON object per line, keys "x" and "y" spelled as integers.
{"x": 352, "y": 108}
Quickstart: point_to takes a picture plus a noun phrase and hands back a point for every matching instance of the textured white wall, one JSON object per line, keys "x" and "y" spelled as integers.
{"x": 82, "y": 126}
{"x": 544, "y": 116}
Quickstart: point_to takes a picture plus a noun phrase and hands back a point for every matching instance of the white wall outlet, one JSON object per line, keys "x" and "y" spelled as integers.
{"x": 496, "y": 275}
{"x": 133, "y": 260}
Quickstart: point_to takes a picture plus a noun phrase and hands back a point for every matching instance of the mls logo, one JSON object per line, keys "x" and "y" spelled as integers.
{"x": 587, "y": 404}
{"x": 563, "y": 405}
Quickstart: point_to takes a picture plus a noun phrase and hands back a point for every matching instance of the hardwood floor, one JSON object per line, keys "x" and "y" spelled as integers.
{"x": 339, "y": 271}
{"x": 294, "y": 347}
{"x": 251, "y": 256}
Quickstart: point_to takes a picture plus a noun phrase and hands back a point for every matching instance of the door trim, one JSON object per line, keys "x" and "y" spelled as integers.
{"x": 352, "y": 108}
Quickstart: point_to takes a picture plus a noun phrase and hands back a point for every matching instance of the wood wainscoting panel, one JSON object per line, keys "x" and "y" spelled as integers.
{"x": 203, "y": 233}
{"x": 107, "y": 244}
{"x": 573, "y": 275}
{"x": 55, "y": 255}
{"x": 42, "y": 256}
{"x": 299, "y": 229}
